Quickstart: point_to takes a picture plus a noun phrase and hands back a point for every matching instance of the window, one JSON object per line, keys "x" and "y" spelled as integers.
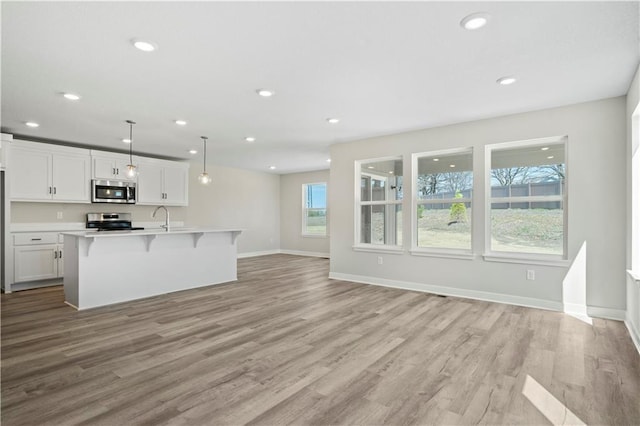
{"x": 527, "y": 212}
{"x": 379, "y": 202}
{"x": 443, "y": 187}
{"x": 314, "y": 209}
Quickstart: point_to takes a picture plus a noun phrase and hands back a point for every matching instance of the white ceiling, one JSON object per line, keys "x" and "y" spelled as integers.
{"x": 381, "y": 67}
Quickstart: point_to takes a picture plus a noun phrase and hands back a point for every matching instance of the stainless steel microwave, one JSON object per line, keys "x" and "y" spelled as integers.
{"x": 113, "y": 191}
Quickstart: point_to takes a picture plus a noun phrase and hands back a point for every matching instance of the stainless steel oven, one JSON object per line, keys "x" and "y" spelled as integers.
{"x": 113, "y": 191}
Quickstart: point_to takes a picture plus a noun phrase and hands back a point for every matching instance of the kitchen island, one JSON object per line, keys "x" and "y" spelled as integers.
{"x": 102, "y": 268}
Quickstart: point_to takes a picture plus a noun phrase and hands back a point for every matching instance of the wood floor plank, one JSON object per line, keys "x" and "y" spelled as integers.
{"x": 286, "y": 345}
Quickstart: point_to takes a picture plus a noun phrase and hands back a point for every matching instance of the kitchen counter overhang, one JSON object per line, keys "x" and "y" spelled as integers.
{"x": 102, "y": 268}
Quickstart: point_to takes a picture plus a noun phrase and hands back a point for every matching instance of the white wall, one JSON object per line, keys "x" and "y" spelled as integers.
{"x": 237, "y": 199}
{"x": 291, "y": 239}
{"x": 596, "y": 157}
{"x": 633, "y": 211}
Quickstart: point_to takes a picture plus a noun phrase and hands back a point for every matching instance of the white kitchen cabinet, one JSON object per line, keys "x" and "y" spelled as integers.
{"x": 37, "y": 256}
{"x": 106, "y": 165}
{"x": 43, "y": 172}
{"x": 162, "y": 182}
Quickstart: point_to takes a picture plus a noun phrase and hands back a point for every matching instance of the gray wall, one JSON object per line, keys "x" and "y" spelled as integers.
{"x": 237, "y": 199}
{"x": 291, "y": 239}
{"x": 596, "y": 156}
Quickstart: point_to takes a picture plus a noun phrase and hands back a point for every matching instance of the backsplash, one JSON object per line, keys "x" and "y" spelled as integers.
{"x": 22, "y": 212}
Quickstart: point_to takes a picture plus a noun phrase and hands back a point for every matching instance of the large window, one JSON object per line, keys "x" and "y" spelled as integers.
{"x": 379, "y": 202}
{"x": 314, "y": 209}
{"x": 443, "y": 184}
{"x": 526, "y": 186}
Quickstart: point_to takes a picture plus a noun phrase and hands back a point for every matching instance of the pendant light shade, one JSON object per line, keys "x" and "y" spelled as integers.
{"x": 132, "y": 170}
{"x": 204, "y": 177}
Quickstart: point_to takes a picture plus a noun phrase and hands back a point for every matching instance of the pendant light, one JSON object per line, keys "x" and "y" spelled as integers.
{"x": 204, "y": 177}
{"x": 131, "y": 168}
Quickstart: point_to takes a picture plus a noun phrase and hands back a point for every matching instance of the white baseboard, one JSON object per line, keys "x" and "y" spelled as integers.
{"x": 635, "y": 334}
{"x": 305, "y": 253}
{"x": 528, "y": 302}
{"x": 257, "y": 253}
{"x": 606, "y": 313}
{"x": 574, "y": 309}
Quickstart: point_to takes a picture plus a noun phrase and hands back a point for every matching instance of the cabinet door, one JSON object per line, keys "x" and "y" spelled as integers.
{"x": 30, "y": 174}
{"x": 176, "y": 189}
{"x": 103, "y": 168}
{"x": 35, "y": 262}
{"x": 150, "y": 189}
{"x": 71, "y": 178}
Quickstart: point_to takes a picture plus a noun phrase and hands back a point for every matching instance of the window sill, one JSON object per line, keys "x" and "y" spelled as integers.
{"x": 313, "y": 236}
{"x": 379, "y": 249}
{"x": 443, "y": 254}
{"x": 528, "y": 260}
{"x": 634, "y": 275}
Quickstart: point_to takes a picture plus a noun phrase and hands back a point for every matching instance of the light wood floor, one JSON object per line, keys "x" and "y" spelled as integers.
{"x": 286, "y": 345}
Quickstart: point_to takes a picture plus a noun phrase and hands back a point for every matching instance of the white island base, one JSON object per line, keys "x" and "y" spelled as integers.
{"x": 102, "y": 268}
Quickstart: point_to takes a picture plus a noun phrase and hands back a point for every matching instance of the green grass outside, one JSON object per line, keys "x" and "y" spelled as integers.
{"x": 513, "y": 230}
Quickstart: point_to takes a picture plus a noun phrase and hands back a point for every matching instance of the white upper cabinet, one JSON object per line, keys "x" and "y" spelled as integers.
{"x": 44, "y": 172}
{"x": 162, "y": 182}
{"x": 107, "y": 165}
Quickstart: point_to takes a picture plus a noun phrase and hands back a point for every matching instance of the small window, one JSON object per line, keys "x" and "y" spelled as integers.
{"x": 314, "y": 209}
{"x": 527, "y": 193}
{"x": 444, "y": 189}
{"x": 379, "y": 202}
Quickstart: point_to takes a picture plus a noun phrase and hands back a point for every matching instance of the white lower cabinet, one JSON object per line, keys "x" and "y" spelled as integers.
{"x": 37, "y": 256}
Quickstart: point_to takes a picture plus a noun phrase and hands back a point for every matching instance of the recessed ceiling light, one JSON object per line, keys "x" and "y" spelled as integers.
{"x": 452, "y": 165}
{"x": 265, "y": 92}
{"x": 370, "y": 167}
{"x": 544, "y": 148}
{"x": 32, "y": 124}
{"x": 550, "y": 157}
{"x": 71, "y": 96}
{"x": 193, "y": 151}
{"x": 145, "y": 46}
{"x": 505, "y": 81}
{"x": 391, "y": 172}
{"x": 328, "y": 160}
{"x": 272, "y": 167}
{"x": 180, "y": 122}
{"x": 474, "y": 21}
{"x": 333, "y": 120}
{"x": 436, "y": 159}
{"x": 250, "y": 139}
{"x": 126, "y": 140}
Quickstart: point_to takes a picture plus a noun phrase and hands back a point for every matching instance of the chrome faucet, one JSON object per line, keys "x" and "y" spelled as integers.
{"x": 166, "y": 220}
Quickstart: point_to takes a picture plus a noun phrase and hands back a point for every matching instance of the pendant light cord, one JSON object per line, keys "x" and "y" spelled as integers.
{"x": 131, "y": 123}
{"x": 204, "y": 140}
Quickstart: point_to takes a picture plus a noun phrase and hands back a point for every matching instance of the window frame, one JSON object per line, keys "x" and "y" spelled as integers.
{"x": 415, "y": 202}
{"x": 525, "y": 257}
{"x": 305, "y": 209}
{"x": 358, "y": 204}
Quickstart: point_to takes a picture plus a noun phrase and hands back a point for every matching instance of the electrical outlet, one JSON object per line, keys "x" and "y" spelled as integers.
{"x": 531, "y": 274}
{"x": 380, "y": 260}
{"x": 59, "y": 215}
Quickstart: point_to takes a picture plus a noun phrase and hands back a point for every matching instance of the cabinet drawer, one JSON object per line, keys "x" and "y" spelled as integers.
{"x": 31, "y": 238}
